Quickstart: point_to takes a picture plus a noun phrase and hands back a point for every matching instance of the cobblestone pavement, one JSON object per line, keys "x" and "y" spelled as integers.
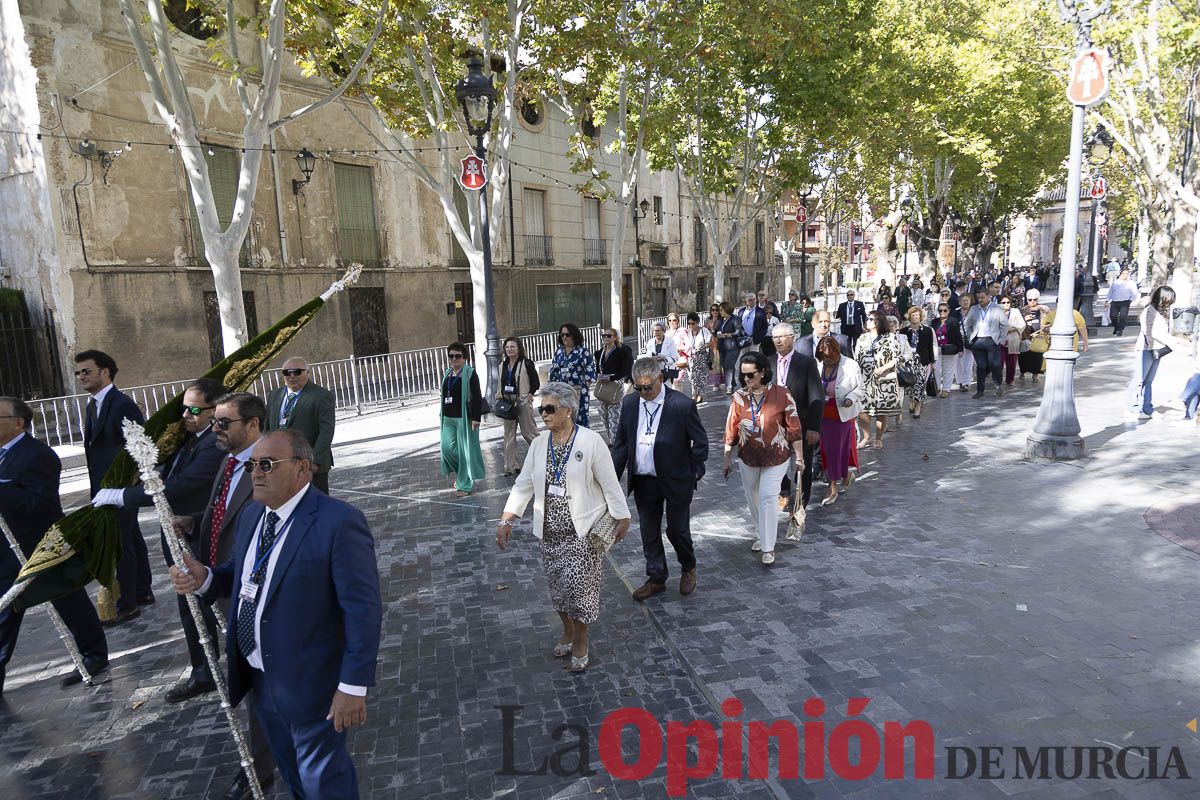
{"x": 1007, "y": 603}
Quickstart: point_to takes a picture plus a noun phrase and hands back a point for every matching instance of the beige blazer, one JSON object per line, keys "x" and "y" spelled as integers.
{"x": 592, "y": 485}
{"x": 849, "y": 384}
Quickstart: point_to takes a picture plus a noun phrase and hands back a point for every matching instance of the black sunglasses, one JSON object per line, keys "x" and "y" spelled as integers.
{"x": 223, "y": 423}
{"x": 649, "y": 387}
{"x": 267, "y": 464}
{"x": 547, "y": 408}
{"x": 293, "y": 373}
{"x": 455, "y": 356}
{"x": 749, "y": 374}
{"x": 196, "y": 411}
{"x": 607, "y": 335}
{"x": 85, "y": 371}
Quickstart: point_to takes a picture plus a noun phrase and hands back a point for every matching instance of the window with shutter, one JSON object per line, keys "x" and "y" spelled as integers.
{"x": 537, "y": 243}
{"x": 359, "y": 238}
{"x": 594, "y": 246}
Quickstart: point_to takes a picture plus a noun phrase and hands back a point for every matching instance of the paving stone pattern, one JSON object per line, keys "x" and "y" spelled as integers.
{"x": 1004, "y": 602}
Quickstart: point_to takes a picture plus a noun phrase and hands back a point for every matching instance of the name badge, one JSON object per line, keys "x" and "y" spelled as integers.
{"x": 646, "y": 439}
{"x": 283, "y": 422}
{"x": 510, "y": 389}
{"x": 448, "y": 401}
{"x": 249, "y": 592}
{"x": 752, "y": 429}
{"x": 557, "y": 491}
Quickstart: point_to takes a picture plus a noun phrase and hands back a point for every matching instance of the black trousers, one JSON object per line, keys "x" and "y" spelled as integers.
{"x": 191, "y": 636}
{"x": 76, "y": 609}
{"x": 987, "y": 359}
{"x": 1119, "y": 311}
{"x": 260, "y": 747}
{"x": 650, "y": 500}
{"x": 806, "y": 478}
{"x": 133, "y": 569}
{"x": 851, "y": 334}
{"x": 320, "y": 480}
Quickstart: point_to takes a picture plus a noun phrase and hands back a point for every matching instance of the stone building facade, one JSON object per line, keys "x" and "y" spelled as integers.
{"x": 100, "y": 236}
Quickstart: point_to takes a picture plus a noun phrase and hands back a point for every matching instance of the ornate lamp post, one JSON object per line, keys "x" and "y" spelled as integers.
{"x": 307, "y": 162}
{"x": 477, "y": 97}
{"x": 1056, "y": 431}
{"x": 1099, "y": 148}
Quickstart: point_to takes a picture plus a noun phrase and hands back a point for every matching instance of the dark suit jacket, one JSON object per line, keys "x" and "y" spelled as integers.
{"x": 313, "y": 416}
{"x": 322, "y": 611}
{"x": 189, "y": 476}
{"x": 102, "y": 442}
{"x": 852, "y": 316}
{"x": 926, "y": 341}
{"x": 804, "y": 382}
{"x": 805, "y": 345}
{"x": 29, "y": 501}
{"x": 619, "y": 365}
{"x": 759, "y": 331}
{"x": 243, "y": 492}
{"x": 680, "y": 433}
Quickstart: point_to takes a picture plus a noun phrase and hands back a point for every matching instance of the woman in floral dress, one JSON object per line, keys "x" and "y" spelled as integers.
{"x": 878, "y": 353}
{"x": 573, "y": 364}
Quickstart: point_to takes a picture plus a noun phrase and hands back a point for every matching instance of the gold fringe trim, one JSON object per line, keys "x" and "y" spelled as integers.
{"x": 51, "y": 551}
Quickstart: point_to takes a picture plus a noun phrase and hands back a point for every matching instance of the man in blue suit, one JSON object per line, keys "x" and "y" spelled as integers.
{"x": 29, "y": 504}
{"x": 663, "y": 443}
{"x": 103, "y": 439}
{"x": 303, "y": 631}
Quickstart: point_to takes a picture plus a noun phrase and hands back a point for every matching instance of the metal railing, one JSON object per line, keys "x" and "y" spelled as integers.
{"x": 364, "y": 246}
{"x": 595, "y": 251}
{"x": 539, "y": 250}
{"x": 356, "y": 384}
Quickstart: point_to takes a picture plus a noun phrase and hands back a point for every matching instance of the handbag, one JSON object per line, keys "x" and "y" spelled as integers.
{"x": 505, "y": 408}
{"x": 603, "y": 533}
{"x": 931, "y": 389}
{"x": 1161, "y": 352}
{"x": 905, "y": 375}
{"x": 743, "y": 341}
{"x": 609, "y": 392}
{"x": 1040, "y": 341}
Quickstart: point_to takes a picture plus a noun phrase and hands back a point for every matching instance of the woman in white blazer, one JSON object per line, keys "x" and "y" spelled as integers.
{"x": 845, "y": 392}
{"x": 569, "y": 475}
{"x": 663, "y": 347}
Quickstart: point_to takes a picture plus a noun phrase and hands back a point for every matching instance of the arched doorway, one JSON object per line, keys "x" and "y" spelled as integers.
{"x": 1056, "y": 249}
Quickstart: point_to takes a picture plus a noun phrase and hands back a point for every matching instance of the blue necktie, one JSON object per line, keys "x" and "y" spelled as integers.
{"x": 288, "y": 404}
{"x": 246, "y": 608}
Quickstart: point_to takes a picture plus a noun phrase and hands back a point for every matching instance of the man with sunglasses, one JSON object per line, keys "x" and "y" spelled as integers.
{"x": 304, "y": 618}
{"x": 301, "y": 405}
{"x": 103, "y": 440}
{"x": 663, "y": 443}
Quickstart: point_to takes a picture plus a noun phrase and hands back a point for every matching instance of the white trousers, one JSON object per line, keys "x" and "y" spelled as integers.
{"x": 762, "y": 495}
{"x": 965, "y": 368}
{"x": 947, "y": 365}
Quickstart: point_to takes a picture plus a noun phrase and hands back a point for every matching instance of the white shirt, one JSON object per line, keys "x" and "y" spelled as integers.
{"x": 99, "y": 398}
{"x": 987, "y": 321}
{"x": 649, "y": 416}
{"x": 4, "y": 452}
{"x": 282, "y": 531}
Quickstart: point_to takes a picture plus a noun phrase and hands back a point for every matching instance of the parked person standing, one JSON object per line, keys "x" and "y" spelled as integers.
{"x": 921, "y": 339}
{"x": 1010, "y": 351}
{"x": 879, "y": 355}
{"x": 569, "y": 475}
{"x": 964, "y": 368}
{"x": 1154, "y": 344}
{"x": 302, "y": 405}
{"x": 614, "y": 360}
{"x": 727, "y": 335}
{"x": 1121, "y": 292}
{"x": 844, "y": 391}
{"x": 986, "y": 327}
{"x": 518, "y": 381}
{"x": 764, "y": 428}
{"x": 30, "y": 506}
{"x": 919, "y": 296}
{"x": 103, "y": 439}
{"x": 573, "y": 364}
{"x": 664, "y": 446}
{"x": 698, "y": 344}
{"x": 886, "y": 305}
{"x": 752, "y": 320}
{"x": 713, "y": 320}
{"x": 461, "y": 413}
{"x": 852, "y": 317}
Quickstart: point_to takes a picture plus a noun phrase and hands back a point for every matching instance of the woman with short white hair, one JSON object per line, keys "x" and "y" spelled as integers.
{"x": 663, "y": 348}
{"x": 569, "y": 475}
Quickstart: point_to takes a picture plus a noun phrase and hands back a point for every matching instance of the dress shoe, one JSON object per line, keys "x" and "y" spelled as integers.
{"x": 122, "y": 617}
{"x": 648, "y": 590}
{"x": 148, "y": 600}
{"x": 192, "y": 687}
{"x": 687, "y": 582}
{"x": 977, "y": 395}
{"x": 240, "y": 790}
{"x": 93, "y": 664}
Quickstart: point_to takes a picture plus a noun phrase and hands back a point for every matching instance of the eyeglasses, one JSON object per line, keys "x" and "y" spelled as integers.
{"x": 548, "y": 408}
{"x": 79, "y": 373}
{"x": 294, "y": 373}
{"x": 456, "y": 356}
{"x": 672, "y": 319}
{"x": 223, "y": 423}
{"x": 196, "y": 411}
{"x": 943, "y": 311}
{"x": 267, "y": 464}
{"x": 749, "y": 374}
{"x": 607, "y": 335}
{"x": 564, "y": 333}
{"x": 643, "y": 387}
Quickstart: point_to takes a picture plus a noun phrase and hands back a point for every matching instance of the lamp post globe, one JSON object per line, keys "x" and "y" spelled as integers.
{"x": 477, "y": 96}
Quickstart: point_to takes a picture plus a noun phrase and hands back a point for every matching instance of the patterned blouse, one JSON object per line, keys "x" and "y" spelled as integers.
{"x": 763, "y": 435}
{"x": 577, "y": 368}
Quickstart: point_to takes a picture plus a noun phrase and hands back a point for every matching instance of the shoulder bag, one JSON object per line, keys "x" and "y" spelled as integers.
{"x": 603, "y": 532}
{"x": 609, "y": 392}
{"x": 1040, "y": 341}
{"x": 505, "y": 408}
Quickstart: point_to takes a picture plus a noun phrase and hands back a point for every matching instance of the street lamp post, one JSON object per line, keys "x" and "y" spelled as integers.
{"x": 804, "y": 246}
{"x": 1099, "y": 148}
{"x": 477, "y": 97}
{"x": 1055, "y": 433}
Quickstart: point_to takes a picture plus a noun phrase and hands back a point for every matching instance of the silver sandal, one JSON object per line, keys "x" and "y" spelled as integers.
{"x": 562, "y": 650}
{"x": 579, "y": 664}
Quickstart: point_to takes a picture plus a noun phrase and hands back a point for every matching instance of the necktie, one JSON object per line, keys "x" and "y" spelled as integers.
{"x": 3, "y": 455}
{"x": 246, "y": 608}
{"x": 288, "y": 404}
{"x": 92, "y": 419}
{"x": 218, "y": 512}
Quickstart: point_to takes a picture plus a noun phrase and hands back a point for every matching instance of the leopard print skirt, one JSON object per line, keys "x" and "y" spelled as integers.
{"x": 573, "y": 567}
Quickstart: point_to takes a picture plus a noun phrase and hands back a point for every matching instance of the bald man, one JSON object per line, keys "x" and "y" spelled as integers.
{"x": 303, "y": 406}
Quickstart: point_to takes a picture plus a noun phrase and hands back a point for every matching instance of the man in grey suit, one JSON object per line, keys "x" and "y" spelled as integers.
{"x": 303, "y": 406}
{"x": 822, "y": 323}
